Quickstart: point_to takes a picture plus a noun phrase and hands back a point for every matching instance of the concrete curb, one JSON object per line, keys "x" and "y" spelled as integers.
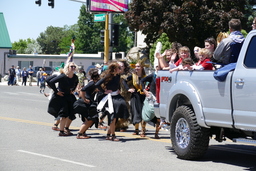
{"x": 5, "y": 83}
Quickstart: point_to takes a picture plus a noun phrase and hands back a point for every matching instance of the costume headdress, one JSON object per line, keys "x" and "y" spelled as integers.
{"x": 134, "y": 56}
{"x": 142, "y": 62}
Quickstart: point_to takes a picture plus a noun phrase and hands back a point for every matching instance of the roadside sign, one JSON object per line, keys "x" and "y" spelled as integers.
{"x": 99, "y": 17}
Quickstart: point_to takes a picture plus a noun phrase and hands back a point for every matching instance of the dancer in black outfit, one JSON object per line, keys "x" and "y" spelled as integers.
{"x": 122, "y": 124}
{"x": 86, "y": 105}
{"x": 61, "y": 103}
{"x": 137, "y": 97}
{"x": 111, "y": 101}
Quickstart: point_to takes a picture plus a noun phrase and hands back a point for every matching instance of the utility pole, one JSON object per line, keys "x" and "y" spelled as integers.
{"x": 110, "y": 35}
{"x": 106, "y": 39}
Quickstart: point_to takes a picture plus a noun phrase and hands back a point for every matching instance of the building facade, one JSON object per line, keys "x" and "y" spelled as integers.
{"x": 24, "y": 60}
{"x": 5, "y": 42}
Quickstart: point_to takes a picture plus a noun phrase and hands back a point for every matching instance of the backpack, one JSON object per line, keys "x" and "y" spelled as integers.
{"x": 148, "y": 112}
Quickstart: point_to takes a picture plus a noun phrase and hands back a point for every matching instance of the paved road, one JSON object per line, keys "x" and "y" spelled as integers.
{"x": 28, "y": 143}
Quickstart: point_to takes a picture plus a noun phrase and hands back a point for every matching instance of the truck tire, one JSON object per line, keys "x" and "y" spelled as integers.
{"x": 189, "y": 140}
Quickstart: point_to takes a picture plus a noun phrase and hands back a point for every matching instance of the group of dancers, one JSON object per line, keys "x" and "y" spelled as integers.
{"x": 117, "y": 93}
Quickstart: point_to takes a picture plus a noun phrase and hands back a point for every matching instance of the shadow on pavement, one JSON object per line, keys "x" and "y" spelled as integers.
{"x": 233, "y": 154}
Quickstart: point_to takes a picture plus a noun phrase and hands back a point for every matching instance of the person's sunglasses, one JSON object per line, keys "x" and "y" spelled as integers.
{"x": 72, "y": 66}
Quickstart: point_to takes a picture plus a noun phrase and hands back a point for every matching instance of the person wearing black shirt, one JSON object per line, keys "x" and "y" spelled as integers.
{"x": 61, "y": 103}
{"x": 111, "y": 101}
{"x": 137, "y": 98}
{"x": 12, "y": 75}
{"x": 86, "y": 105}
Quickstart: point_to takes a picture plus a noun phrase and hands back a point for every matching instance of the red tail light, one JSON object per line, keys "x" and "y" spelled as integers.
{"x": 157, "y": 89}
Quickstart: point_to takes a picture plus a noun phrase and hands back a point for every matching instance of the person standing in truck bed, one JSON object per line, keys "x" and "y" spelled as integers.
{"x": 229, "y": 48}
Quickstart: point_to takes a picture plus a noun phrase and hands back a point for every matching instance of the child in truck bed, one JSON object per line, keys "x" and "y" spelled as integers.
{"x": 204, "y": 60}
{"x": 185, "y": 65}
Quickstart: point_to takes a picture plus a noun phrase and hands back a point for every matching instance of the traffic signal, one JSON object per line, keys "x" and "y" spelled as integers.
{"x": 38, "y": 2}
{"x": 115, "y": 35}
{"x": 51, "y": 3}
{"x": 102, "y": 32}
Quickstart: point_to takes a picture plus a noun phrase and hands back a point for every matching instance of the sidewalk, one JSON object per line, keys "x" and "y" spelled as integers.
{"x": 5, "y": 83}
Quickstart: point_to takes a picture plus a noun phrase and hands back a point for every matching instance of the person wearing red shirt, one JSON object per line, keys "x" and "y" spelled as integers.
{"x": 184, "y": 52}
{"x": 204, "y": 61}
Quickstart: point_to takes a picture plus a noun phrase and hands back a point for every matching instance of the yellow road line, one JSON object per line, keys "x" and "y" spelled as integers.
{"x": 124, "y": 134}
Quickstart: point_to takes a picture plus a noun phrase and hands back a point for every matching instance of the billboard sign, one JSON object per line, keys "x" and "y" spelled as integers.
{"x": 109, "y": 6}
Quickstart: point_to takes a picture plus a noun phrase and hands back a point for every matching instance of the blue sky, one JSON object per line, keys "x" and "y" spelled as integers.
{"x": 25, "y": 19}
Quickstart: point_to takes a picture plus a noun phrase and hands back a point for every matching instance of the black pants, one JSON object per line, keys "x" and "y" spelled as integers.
{"x": 24, "y": 80}
{"x": 11, "y": 80}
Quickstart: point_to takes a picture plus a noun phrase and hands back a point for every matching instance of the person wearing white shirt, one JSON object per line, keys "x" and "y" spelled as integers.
{"x": 18, "y": 75}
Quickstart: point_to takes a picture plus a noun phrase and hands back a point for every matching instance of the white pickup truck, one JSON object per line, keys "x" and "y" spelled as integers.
{"x": 199, "y": 107}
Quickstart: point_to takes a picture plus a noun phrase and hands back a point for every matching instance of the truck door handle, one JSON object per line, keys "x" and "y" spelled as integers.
{"x": 239, "y": 82}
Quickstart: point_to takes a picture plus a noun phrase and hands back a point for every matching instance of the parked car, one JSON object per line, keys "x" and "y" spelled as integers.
{"x": 48, "y": 70}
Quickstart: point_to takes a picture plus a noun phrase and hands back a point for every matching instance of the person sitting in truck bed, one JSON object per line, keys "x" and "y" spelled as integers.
{"x": 169, "y": 57}
{"x": 204, "y": 60}
{"x": 229, "y": 48}
{"x": 209, "y": 43}
{"x": 184, "y": 52}
{"x": 185, "y": 65}
{"x": 203, "y": 63}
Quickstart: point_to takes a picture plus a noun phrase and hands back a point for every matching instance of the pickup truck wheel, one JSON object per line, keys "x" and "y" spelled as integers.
{"x": 189, "y": 140}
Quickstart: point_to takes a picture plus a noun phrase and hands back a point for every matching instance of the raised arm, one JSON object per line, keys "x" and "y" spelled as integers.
{"x": 161, "y": 61}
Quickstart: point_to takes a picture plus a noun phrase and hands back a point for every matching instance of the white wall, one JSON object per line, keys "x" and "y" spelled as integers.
{"x": 84, "y": 60}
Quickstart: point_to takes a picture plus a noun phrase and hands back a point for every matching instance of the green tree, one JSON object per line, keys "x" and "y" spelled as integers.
{"x": 188, "y": 22}
{"x": 50, "y": 39}
{"x": 33, "y": 47}
{"x": 21, "y": 45}
{"x": 89, "y": 32}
